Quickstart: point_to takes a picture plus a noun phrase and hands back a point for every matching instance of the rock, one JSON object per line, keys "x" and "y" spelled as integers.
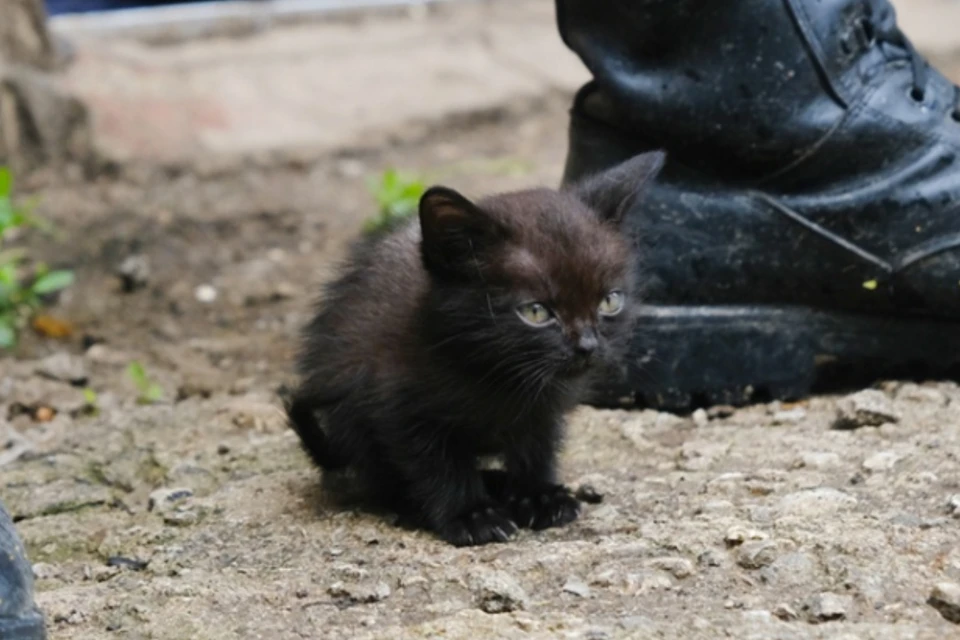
{"x": 164, "y": 500}
{"x": 134, "y": 273}
{"x": 829, "y": 606}
{"x": 679, "y": 568}
{"x": 737, "y": 535}
{"x": 586, "y": 493}
{"x": 881, "y": 461}
{"x": 45, "y": 571}
{"x": 792, "y": 416}
{"x": 205, "y": 293}
{"x": 577, "y": 587}
{"x": 813, "y": 503}
{"x": 362, "y": 593}
{"x": 184, "y": 518}
{"x": 953, "y": 505}
{"x": 818, "y": 460}
{"x": 700, "y": 418}
{"x": 758, "y": 554}
{"x": 945, "y": 598}
{"x": 790, "y": 570}
{"x": 64, "y": 367}
{"x": 785, "y": 612}
{"x": 868, "y": 408}
{"x": 497, "y": 592}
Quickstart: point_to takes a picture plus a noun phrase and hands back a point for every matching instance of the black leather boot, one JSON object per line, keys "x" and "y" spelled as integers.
{"x": 19, "y": 618}
{"x": 805, "y": 233}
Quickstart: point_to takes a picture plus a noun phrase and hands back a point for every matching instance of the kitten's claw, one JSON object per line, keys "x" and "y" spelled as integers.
{"x": 555, "y": 506}
{"x": 480, "y": 526}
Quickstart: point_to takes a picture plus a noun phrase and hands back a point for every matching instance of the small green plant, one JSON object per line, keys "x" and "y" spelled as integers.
{"x": 149, "y": 392}
{"x": 397, "y": 195}
{"x": 92, "y": 402}
{"x": 21, "y": 295}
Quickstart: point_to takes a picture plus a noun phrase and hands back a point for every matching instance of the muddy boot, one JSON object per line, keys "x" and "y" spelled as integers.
{"x": 19, "y": 617}
{"x": 805, "y": 234}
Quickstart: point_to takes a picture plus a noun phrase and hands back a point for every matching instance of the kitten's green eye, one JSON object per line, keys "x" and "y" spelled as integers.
{"x": 612, "y": 304}
{"x": 535, "y": 314}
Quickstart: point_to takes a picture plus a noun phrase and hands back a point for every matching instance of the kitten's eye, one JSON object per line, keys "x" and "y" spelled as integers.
{"x": 612, "y": 304}
{"x": 534, "y": 314}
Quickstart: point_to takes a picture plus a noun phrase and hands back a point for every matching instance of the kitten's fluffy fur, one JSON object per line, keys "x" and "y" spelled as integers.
{"x": 422, "y": 357}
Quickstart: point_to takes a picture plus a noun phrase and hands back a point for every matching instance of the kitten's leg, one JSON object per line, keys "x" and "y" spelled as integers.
{"x": 532, "y": 495}
{"x": 452, "y": 500}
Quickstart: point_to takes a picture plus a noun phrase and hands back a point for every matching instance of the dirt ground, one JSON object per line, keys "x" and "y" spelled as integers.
{"x": 199, "y": 518}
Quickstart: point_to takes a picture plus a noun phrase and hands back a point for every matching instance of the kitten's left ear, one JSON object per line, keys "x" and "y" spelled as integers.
{"x": 456, "y": 232}
{"x": 612, "y": 192}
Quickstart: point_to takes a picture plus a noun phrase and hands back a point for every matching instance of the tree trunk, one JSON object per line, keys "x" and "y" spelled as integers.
{"x": 40, "y": 125}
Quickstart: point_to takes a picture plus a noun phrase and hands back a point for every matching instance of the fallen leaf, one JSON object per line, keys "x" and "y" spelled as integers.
{"x": 51, "y": 327}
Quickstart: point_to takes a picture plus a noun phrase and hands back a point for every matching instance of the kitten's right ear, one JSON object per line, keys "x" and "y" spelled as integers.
{"x": 612, "y": 192}
{"x": 456, "y": 233}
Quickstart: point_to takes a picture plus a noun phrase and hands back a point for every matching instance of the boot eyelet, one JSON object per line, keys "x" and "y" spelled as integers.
{"x": 917, "y": 95}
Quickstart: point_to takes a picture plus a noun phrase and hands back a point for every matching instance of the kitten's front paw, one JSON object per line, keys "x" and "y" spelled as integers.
{"x": 482, "y": 525}
{"x": 554, "y": 506}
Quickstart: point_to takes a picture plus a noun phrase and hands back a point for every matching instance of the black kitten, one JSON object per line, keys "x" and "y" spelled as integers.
{"x": 470, "y": 333}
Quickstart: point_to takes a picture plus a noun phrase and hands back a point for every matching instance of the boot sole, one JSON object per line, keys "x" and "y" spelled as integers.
{"x": 28, "y": 627}
{"x": 684, "y": 357}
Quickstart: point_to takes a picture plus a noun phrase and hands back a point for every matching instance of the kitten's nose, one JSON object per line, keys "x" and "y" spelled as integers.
{"x": 587, "y": 343}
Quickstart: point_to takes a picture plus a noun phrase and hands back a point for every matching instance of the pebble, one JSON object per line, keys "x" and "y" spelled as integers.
{"x": 790, "y": 570}
{"x": 587, "y": 493}
{"x": 45, "y": 571}
{"x": 953, "y": 505}
{"x": 881, "y": 461}
{"x": 818, "y": 460}
{"x": 945, "y": 598}
{"x": 205, "y": 293}
{"x": 498, "y": 592}
{"x": 829, "y": 606}
{"x": 737, "y": 535}
{"x": 756, "y": 555}
{"x": 791, "y": 416}
{"x": 679, "y": 568}
{"x": 868, "y": 408}
{"x": 814, "y": 503}
{"x": 163, "y": 500}
{"x": 134, "y": 273}
{"x": 785, "y": 612}
{"x": 181, "y": 518}
{"x": 363, "y": 593}
{"x": 64, "y": 367}
{"x": 700, "y": 418}
{"x": 577, "y": 587}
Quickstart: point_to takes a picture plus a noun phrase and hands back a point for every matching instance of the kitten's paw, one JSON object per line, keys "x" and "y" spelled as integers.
{"x": 482, "y": 525}
{"x": 554, "y": 506}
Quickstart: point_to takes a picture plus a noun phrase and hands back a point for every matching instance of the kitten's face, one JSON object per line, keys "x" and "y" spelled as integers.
{"x": 537, "y": 284}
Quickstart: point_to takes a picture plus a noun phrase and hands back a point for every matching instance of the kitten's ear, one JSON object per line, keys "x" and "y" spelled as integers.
{"x": 455, "y": 232}
{"x": 612, "y": 192}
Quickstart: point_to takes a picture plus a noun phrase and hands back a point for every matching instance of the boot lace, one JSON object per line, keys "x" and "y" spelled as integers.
{"x": 887, "y": 32}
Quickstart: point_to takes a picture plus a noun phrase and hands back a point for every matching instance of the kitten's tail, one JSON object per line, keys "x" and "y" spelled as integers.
{"x": 303, "y": 419}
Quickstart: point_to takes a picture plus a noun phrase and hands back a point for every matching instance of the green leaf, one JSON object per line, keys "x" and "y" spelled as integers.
{"x": 6, "y": 182}
{"x": 139, "y": 376}
{"x": 90, "y": 397}
{"x": 53, "y": 281}
{"x": 154, "y": 393}
{"x": 8, "y": 333}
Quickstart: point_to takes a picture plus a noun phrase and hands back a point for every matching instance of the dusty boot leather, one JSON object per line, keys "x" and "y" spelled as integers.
{"x": 805, "y": 233}
{"x": 19, "y": 618}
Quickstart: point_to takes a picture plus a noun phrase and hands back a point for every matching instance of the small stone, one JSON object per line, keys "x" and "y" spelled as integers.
{"x": 44, "y": 571}
{"x": 363, "y": 593}
{"x": 163, "y": 500}
{"x": 655, "y": 582}
{"x": 64, "y": 367}
{"x": 301, "y": 593}
{"x": 945, "y": 598}
{"x": 756, "y": 555}
{"x": 792, "y": 416}
{"x": 785, "y": 612}
{"x": 181, "y": 518}
{"x": 134, "y": 273}
{"x": 868, "y": 408}
{"x": 720, "y": 411}
{"x": 818, "y": 460}
{"x": 679, "y": 568}
{"x": 577, "y": 587}
{"x": 498, "y": 592}
{"x": 44, "y": 414}
{"x": 205, "y": 293}
{"x": 953, "y": 505}
{"x": 586, "y": 493}
{"x": 700, "y": 418}
{"x": 815, "y": 502}
{"x": 709, "y": 559}
{"x": 829, "y": 606}
{"x": 737, "y": 535}
{"x": 881, "y": 461}
{"x": 790, "y": 570}
{"x": 757, "y": 616}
